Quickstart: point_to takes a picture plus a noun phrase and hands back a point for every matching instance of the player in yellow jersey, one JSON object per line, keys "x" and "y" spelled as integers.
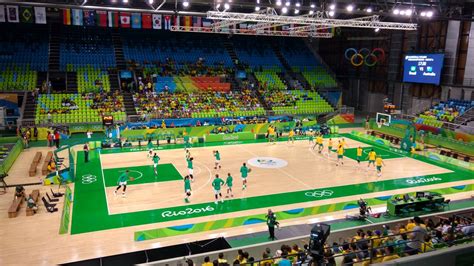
{"x": 291, "y": 136}
{"x": 359, "y": 155}
{"x": 343, "y": 143}
{"x": 372, "y": 155}
{"x": 329, "y": 146}
{"x": 271, "y": 134}
{"x": 378, "y": 164}
{"x": 319, "y": 141}
{"x": 340, "y": 155}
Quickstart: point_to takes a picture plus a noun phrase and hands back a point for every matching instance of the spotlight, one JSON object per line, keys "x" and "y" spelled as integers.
{"x": 278, "y": 3}
{"x": 150, "y": 2}
{"x": 298, "y": 4}
{"x": 396, "y": 11}
{"x": 297, "y": 11}
{"x": 332, "y": 6}
{"x": 402, "y": 12}
{"x": 350, "y": 8}
{"x": 258, "y": 1}
{"x": 185, "y": 3}
{"x": 377, "y": 29}
{"x": 288, "y": 3}
{"x": 313, "y": 5}
{"x": 429, "y": 14}
{"x": 125, "y": 1}
{"x": 368, "y": 10}
{"x": 113, "y": 1}
{"x": 423, "y": 14}
{"x": 311, "y": 12}
{"x": 331, "y": 13}
{"x": 257, "y": 8}
{"x": 284, "y": 10}
{"x": 408, "y": 12}
{"x": 226, "y": 6}
{"x": 218, "y": 5}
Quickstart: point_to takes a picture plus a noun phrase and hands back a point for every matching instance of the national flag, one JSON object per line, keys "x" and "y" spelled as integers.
{"x": 146, "y": 20}
{"x": 136, "y": 21}
{"x": 26, "y": 14}
{"x": 243, "y": 26}
{"x": 101, "y": 18}
{"x": 176, "y": 21}
{"x": 206, "y": 23}
{"x": 167, "y": 22}
{"x": 89, "y": 17}
{"x": 77, "y": 17}
{"x": 67, "y": 16}
{"x": 12, "y": 12}
{"x": 2, "y": 13}
{"x": 40, "y": 15}
{"x": 187, "y": 21}
{"x": 197, "y": 22}
{"x": 157, "y": 21}
{"x": 113, "y": 19}
{"x": 125, "y": 19}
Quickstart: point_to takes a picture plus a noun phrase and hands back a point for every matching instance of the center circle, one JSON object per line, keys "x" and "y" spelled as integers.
{"x": 267, "y": 162}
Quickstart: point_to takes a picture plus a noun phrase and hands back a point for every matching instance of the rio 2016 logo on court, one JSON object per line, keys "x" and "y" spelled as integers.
{"x": 423, "y": 180}
{"x": 319, "y": 193}
{"x": 187, "y": 211}
{"x": 267, "y": 162}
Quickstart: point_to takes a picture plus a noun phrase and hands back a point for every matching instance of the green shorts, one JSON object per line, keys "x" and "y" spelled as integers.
{"x": 320, "y": 145}
{"x": 330, "y": 148}
{"x": 371, "y": 161}
{"x": 358, "y": 158}
{"x": 340, "y": 156}
{"x": 379, "y": 168}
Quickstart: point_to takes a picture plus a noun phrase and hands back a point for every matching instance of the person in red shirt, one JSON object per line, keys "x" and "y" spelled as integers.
{"x": 50, "y": 139}
{"x": 56, "y": 139}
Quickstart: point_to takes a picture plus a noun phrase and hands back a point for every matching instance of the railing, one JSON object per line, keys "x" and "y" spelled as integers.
{"x": 446, "y": 125}
{"x": 345, "y": 110}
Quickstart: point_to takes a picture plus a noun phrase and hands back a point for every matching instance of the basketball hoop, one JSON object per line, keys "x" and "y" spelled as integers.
{"x": 380, "y": 122}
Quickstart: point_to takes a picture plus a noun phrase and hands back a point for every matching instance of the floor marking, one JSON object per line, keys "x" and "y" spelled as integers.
{"x": 103, "y": 183}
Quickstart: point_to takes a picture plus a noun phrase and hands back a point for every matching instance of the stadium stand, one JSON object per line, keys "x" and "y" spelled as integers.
{"x": 256, "y": 53}
{"x": 90, "y": 79}
{"x": 444, "y": 111}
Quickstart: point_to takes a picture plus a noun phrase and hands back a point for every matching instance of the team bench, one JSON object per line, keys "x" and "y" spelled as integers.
{"x": 35, "y": 196}
{"x": 34, "y": 164}
{"x": 15, "y": 207}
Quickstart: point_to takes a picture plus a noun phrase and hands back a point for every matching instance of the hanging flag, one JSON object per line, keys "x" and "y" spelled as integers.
{"x": 188, "y": 22}
{"x": 2, "y": 13}
{"x": 157, "y": 21}
{"x": 26, "y": 14}
{"x": 243, "y": 26}
{"x": 12, "y": 12}
{"x": 125, "y": 19}
{"x": 176, "y": 21}
{"x": 113, "y": 19}
{"x": 40, "y": 15}
{"x": 101, "y": 18}
{"x": 136, "y": 21}
{"x": 146, "y": 20}
{"x": 206, "y": 23}
{"x": 89, "y": 17}
{"x": 197, "y": 22}
{"x": 77, "y": 17}
{"x": 167, "y": 22}
{"x": 67, "y": 16}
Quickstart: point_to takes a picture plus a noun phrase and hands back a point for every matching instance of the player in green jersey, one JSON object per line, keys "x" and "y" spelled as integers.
{"x": 190, "y": 168}
{"x": 217, "y": 183}
{"x": 187, "y": 188}
{"x": 244, "y": 171}
{"x": 229, "y": 184}
{"x": 155, "y": 159}
{"x": 217, "y": 155}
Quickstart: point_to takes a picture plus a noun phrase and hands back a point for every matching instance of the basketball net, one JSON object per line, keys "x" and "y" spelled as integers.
{"x": 380, "y": 123}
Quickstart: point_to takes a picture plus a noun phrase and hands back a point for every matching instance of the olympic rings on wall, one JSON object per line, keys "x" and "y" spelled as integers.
{"x": 364, "y": 56}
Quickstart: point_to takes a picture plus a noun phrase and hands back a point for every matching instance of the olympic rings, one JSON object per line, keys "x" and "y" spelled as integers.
{"x": 88, "y": 179}
{"x": 319, "y": 194}
{"x": 364, "y": 56}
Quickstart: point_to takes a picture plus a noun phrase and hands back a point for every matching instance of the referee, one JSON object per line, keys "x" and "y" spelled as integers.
{"x": 271, "y": 223}
{"x": 86, "y": 152}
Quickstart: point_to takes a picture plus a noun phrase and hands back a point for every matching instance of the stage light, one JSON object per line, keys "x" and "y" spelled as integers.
{"x": 331, "y": 13}
{"x": 298, "y": 4}
{"x": 278, "y": 3}
{"x": 402, "y": 12}
{"x": 297, "y": 11}
{"x": 226, "y": 6}
{"x": 257, "y": 8}
{"x": 113, "y": 1}
{"x": 288, "y": 3}
{"x": 368, "y": 10}
{"x": 258, "y": 1}
{"x": 150, "y": 2}
{"x": 396, "y": 11}
{"x": 332, "y": 6}
{"x": 125, "y": 1}
{"x": 350, "y": 8}
{"x": 408, "y": 12}
{"x": 284, "y": 10}
{"x": 313, "y": 5}
{"x": 377, "y": 29}
{"x": 311, "y": 12}
{"x": 423, "y": 14}
{"x": 429, "y": 14}
{"x": 218, "y": 5}
{"x": 186, "y": 3}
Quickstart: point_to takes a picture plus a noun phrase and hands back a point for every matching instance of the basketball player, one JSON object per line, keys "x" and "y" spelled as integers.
{"x": 244, "y": 171}
{"x": 188, "y": 154}
{"x": 329, "y": 146}
{"x": 229, "y": 184}
{"x": 291, "y": 136}
{"x": 122, "y": 181}
{"x": 378, "y": 164}
{"x": 343, "y": 143}
{"x": 190, "y": 168}
{"x": 217, "y": 156}
{"x": 150, "y": 148}
{"x": 217, "y": 183}
{"x": 340, "y": 155}
{"x": 155, "y": 159}
{"x": 319, "y": 141}
{"x": 372, "y": 155}
{"x": 359, "y": 155}
{"x": 187, "y": 189}
{"x": 311, "y": 139}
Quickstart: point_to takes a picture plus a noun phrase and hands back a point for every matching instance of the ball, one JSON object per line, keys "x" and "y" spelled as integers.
{"x": 132, "y": 178}
{"x": 250, "y": 170}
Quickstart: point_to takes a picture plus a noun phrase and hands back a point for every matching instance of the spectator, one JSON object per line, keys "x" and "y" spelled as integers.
{"x": 284, "y": 260}
{"x": 389, "y": 254}
{"x": 31, "y": 204}
{"x": 86, "y": 152}
{"x": 416, "y": 237}
{"x": 221, "y": 259}
{"x": 207, "y": 261}
{"x": 56, "y": 138}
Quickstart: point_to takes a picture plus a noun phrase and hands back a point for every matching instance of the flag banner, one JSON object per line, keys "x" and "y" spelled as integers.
{"x": 26, "y": 14}
{"x": 2, "y": 14}
{"x": 89, "y": 17}
{"x": 101, "y": 18}
{"x": 157, "y": 21}
{"x": 206, "y": 23}
{"x": 136, "y": 21}
{"x": 40, "y": 15}
{"x": 125, "y": 19}
{"x": 167, "y": 22}
{"x": 146, "y": 20}
{"x": 176, "y": 21}
{"x": 77, "y": 17}
{"x": 113, "y": 19}
{"x": 243, "y": 26}
{"x": 12, "y": 12}
{"x": 285, "y": 27}
{"x": 187, "y": 22}
{"x": 67, "y": 16}
{"x": 197, "y": 22}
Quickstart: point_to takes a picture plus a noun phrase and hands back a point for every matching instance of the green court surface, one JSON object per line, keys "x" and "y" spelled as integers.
{"x": 90, "y": 209}
{"x": 386, "y": 154}
{"x": 143, "y": 174}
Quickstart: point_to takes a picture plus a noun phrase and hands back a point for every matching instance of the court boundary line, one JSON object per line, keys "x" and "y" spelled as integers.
{"x": 103, "y": 182}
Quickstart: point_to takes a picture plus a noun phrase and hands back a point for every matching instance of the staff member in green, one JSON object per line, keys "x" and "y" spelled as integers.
{"x": 122, "y": 181}
{"x": 187, "y": 188}
{"x": 155, "y": 159}
{"x": 217, "y": 183}
{"x": 271, "y": 223}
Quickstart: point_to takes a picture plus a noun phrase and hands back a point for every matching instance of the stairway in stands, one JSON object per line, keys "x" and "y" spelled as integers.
{"x": 230, "y": 49}
{"x": 40, "y": 78}
{"x": 128, "y": 103}
{"x": 251, "y": 77}
{"x": 54, "y": 53}
{"x": 291, "y": 77}
{"x": 30, "y": 107}
{"x": 71, "y": 82}
{"x": 119, "y": 61}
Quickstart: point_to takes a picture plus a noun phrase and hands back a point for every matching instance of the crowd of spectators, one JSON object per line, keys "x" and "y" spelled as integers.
{"x": 183, "y": 105}
{"x": 365, "y": 247}
{"x": 105, "y": 102}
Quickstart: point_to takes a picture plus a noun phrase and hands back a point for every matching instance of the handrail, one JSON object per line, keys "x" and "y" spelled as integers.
{"x": 444, "y": 123}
